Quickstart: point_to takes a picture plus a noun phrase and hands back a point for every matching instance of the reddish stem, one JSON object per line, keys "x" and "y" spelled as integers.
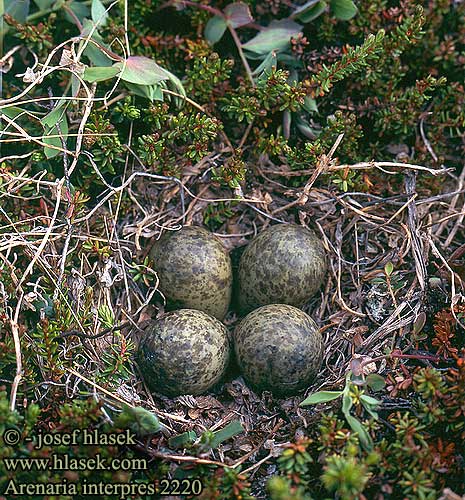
{"x": 429, "y": 357}
{"x": 208, "y": 8}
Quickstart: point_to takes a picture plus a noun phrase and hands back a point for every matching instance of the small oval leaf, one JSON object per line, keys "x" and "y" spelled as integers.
{"x": 375, "y": 382}
{"x": 17, "y": 9}
{"x": 310, "y": 11}
{"x": 321, "y": 397}
{"x": 214, "y": 30}
{"x": 388, "y": 268}
{"x": 370, "y": 400}
{"x": 357, "y": 426}
{"x": 141, "y": 70}
{"x": 100, "y": 74}
{"x": 277, "y": 36}
{"x": 419, "y": 323}
{"x": 99, "y": 13}
{"x": 343, "y": 9}
{"x": 238, "y": 14}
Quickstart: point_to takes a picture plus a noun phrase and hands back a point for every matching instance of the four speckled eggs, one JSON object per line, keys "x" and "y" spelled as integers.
{"x": 278, "y": 347}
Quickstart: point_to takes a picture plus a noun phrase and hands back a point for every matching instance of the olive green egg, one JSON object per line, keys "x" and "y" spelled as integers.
{"x": 194, "y": 270}
{"x": 278, "y": 348}
{"x": 183, "y": 352}
{"x": 285, "y": 264}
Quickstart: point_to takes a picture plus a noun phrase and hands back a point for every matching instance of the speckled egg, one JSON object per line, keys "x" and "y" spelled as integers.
{"x": 278, "y": 348}
{"x": 183, "y": 352}
{"x": 194, "y": 270}
{"x": 285, "y": 264}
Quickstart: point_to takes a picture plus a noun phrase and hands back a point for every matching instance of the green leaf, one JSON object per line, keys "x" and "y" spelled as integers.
{"x": 375, "y": 381}
{"x": 75, "y": 85}
{"x": 17, "y": 9}
{"x": 235, "y": 14}
{"x": 54, "y": 141}
{"x": 304, "y": 8}
{"x": 419, "y": 323}
{"x": 238, "y": 14}
{"x": 99, "y": 13}
{"x": 80, "y": 10}
{"x": 100, "y": 74}
{"x": 151, "y": 92}
{"x": 388, "y": 268}
{"x": 45, "y": 305}
{"x": 55, "y": 123}
{"x": 370, "y": 401}
{"x": 154, "y": 92}
{"x": 305, "y": 128}
{"x": 95, "y": 54}
{"x": 55, "y": 116}
{"x": 321, "y": 397}
{"x": 276, "y": 36}
{"x": 142, "y": 70}
{"x": 347, "y": 402}
{"x": 231, "y": 430}
{"x": 175, "y": 81}
{"x": 343, "y": 9}
{"x": 310, "y": 11}
{"x": 44, "y": 4}
{"x": 310, "y": 105}
{"x": 289, "y": 60}
{"x": 265, "y": 67}
{"x": 371, "y": 411}
{"x": 139, "y": 420}
{"x": 61, "y": 130}
{"x": 363, "y": 435}
{"x": 11, "y": 111}
{"x": 105, "y": 315}
{"x": 182, "y": 440}
{"x": 214, "y": 29}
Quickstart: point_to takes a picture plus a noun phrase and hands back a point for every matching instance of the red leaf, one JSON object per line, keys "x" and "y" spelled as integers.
{"x": 238, "y": 14}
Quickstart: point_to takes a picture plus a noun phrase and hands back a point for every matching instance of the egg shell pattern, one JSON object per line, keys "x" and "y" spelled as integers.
{"x": 184, "y": 352}
{"x": 278, "y": 348}
{"x": 194, "y": 270}
{"x": 285, "y": 264}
